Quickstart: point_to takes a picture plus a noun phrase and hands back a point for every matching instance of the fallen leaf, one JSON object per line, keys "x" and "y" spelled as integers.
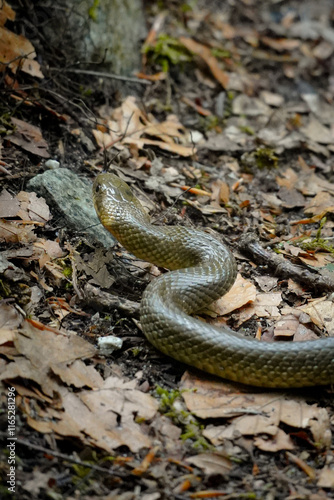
{"x": 241, "y": 293}
{"x": 29, "y": 137}
{"x": 254, "y": 414}
{"x": 321, "y": 312}
{"x": 326, "y": 478}
{"x": 211, "y": 463}
{"x": 322, "y": 202}
{"x": 13, "y": 232}
{"x": 32, "y": 207}
{"x": 129, "y": 125}
{"x": 280, "y": 44}
{"x": 205, "y": 53}
{"x": 281, "y": 441}
{"x": 9, "y": 205}
{"x": 17, "y": 52}
{"x": 317, "y": 132}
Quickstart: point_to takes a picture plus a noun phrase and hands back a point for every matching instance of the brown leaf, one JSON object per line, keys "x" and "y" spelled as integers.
{"x": 211, "y": 463}
{"x": 326, "y": 478}
{"x": 29, "y": 137}
{"x": 254, "y": 413}
{"x": 321, "y": 312}
{"x": 33, "y": 207}
{"x": 281, "y": 441}
{"x": 6, "y": 12}
{"x": 205, "y": 53}
{"x": 13, "y": 232}
{"x": 129, "y": 125}
{"x": 9, "y": 206}
{"x": 322, "y": 202}
{"x": 241, "y": 293}
{"x": 16, "y": 52}
{"x": 78, "y": 374}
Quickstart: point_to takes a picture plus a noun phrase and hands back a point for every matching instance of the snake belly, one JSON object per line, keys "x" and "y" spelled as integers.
{"x": 202, "y": 270}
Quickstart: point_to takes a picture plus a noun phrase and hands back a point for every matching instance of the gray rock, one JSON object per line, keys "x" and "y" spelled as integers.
{"x": 70, "y": 197}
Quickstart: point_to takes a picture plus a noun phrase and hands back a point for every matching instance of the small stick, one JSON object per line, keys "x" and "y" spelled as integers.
{"x": 249, "y": 245}
{"x": 110, "y": 75}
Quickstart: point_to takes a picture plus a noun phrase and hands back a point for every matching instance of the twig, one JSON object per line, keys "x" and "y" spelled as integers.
{"x": 100, "y": 300}
{"x": 249, "y": 245}
{"x": 67, "y": 458}
{"x": 110, "y": 75}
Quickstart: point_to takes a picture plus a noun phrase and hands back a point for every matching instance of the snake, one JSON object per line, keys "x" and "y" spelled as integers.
{"x": 201, "y": 270}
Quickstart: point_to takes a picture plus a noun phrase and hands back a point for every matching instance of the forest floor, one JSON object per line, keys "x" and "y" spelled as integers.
{"x": 229, "y": 129}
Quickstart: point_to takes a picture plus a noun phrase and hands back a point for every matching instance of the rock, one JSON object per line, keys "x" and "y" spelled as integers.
{"x": 70, "y": 197}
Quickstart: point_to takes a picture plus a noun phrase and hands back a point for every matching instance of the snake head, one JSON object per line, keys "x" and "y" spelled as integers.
{"x": 114, "y": 202}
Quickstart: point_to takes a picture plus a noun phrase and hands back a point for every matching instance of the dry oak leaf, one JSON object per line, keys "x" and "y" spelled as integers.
{"x": 41, "y": 350}
{"x": 106, "y": 416}
{"x": 322, "y": 203}
{"x": 15, "y": 232}
{"x": 211, "y": 463}
{"x": 17, "y": 52}
{"x": 241, "y": 293}
{"x": 6, "y": 12}
{"x": 326, "y": 478}
{"x": 29, "y": 137}
{"x": 9, "y": 205}
{"x": 129, "y": 125}
{"x": 265, "y": 306}
{"x": 255, "y": 413}
{"x": 32, "y": 207}
{"x": 206, "y": 54}
{"x": 321, "y": 312}
{"x": 281, "y": 441}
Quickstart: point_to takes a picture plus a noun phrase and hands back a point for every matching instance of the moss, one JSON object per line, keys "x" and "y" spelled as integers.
{"x": 191, "y": 428}
{"x": 92, "y": 11}
{"x": 317, "y": 243}
{"x": 220, "y": 53}
{"x": 167, "y": 51}
{"x": 266, "y": 158}
{"x": 67, "y": 272}
{"x": 247, "y": 130}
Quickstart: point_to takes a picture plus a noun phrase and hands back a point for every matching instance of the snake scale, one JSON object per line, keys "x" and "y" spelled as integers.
{"x": 202, "y": 270}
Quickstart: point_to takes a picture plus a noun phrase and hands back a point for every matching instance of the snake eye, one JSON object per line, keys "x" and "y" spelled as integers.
{"x": 97, "y": 189}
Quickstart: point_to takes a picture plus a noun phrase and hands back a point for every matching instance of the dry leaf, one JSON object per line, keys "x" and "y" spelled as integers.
{"x": 29, "y": 137}
{"x": 129, "y": 125}
{"x": 205, "y": 53}
{"x": 281, "y": 441}
{"x": 241, "y": 293}
{"x": 326, "y": 478}
{"x": 211, "y": 463}
{"x": 9, "y": 205}
{"x": 16, "y": 52}
{"x": 253, "y": 413}
{"x": 321, "y": 312}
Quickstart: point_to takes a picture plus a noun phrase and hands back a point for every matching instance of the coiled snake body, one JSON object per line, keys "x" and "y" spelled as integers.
{"x": 203, "y": 269}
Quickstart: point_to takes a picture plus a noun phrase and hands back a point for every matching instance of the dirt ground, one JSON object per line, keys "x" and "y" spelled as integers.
{"x": 230, "y": 128}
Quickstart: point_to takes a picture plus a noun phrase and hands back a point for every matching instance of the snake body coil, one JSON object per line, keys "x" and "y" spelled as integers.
{"x": 203, "y": 269}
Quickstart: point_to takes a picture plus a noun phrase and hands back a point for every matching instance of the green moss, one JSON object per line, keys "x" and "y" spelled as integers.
{"x": 210, "y": 122}
{"x": 220, "y": 53}
{"x": 4, "y": 290}
{"x": 317, "y": 243}
{"x": 167, "y": 51}
{"x": 266, "y": 158}
{"x": 191, "y": 428}
{"x": 136, "y": 351}
{"x": 248, "y": 130}
{"x": 92, "y": 11}
{"x": 67, "y": 272}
